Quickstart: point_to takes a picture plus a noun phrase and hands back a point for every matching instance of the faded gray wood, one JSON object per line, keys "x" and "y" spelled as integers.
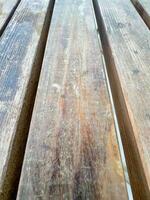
{"x": 7, "y": 8}
{"x": 72, "y": 150}
{"x": 143, "y": 7}
{"x": 21, "y": 48}
{"x": 126, "y": 43}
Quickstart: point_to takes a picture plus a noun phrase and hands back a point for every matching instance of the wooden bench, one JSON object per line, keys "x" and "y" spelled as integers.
{"x": 7, "y": 8}
{"x": 126, "y": 44}
{"x": 72, "y": 150}
{"x": 21, "y": 50}
{"x": 143, "y": 7}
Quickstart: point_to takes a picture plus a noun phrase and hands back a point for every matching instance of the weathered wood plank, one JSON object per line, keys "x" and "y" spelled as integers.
{"x": 21, "y": 50}
{"x": 126, "y": 43}
{"x": 7, "y": 8}
{"x": 143, "y": 7}
{"x": 72, "y": 151}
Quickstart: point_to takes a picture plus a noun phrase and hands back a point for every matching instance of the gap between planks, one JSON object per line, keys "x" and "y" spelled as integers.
{"x": 8, "y": 190}
{"x": 9, "y": 15}
{"x": 143, "y": 8}
{"x": 137, "y": 176}
{"x": 118, "y": 135}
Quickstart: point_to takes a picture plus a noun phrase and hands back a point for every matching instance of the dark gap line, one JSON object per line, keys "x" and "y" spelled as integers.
{"x": 9, "y": 18}
{"x": 118, "y": 136}
{"x": 19, "y": 146}
{"x": 142, "y": 12}
{"x": 137, "y": 177}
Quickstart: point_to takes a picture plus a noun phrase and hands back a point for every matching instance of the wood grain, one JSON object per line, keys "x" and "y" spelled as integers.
{"x": 143, "y": 7}
{"x": 7, "y": 8}
{"x": 21, "y": 51}
{"x": 126, "y": 43}
{"x": 72, "y": 150}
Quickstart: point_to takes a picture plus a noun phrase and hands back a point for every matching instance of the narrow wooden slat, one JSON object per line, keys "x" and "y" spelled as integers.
{"x": 72, "y": 151}
{"x": 126, "y": 43}
{"x": 143, "y": 7}
{"x": 21, "y": 50}
{"x": 7, "y": 8}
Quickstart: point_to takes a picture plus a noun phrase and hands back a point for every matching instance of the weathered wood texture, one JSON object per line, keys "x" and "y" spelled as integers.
{"x": 7, "y": 8}
{"x": 72, "y": 151}
{"x": 126, "y": 44}
{"x": 143, "y": 7}
{"x": 21, "y": 49}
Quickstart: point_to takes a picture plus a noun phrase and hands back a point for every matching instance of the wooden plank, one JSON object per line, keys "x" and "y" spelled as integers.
{"x": 72, "y": 151}
{"x": 126, "y": 44}
{"x": 7, "y": 8}
{"x": 143, "y": 7}
{"x": 21, "y": 51}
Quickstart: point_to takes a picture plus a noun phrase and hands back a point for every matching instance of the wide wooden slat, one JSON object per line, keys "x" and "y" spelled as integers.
{"x": 143, "y": 7}
{"x": 72, "y": 151}
{"x": 21, "y": 49}
{"x": 126, "y": 43}
{"x": 7, "y": 8}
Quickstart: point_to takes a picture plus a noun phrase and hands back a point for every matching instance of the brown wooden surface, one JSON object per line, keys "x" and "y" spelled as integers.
{"x": 7, "y": 8}
{"x": 143, "y": 7}
{"x": 72, "y": 150}
{"x": 21, "y": 48}
{"x": 126, "y": 43}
